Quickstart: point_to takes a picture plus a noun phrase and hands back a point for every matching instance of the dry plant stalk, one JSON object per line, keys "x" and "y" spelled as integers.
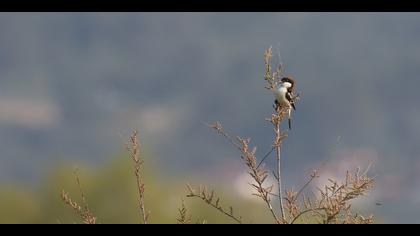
{"x": 272, "y": 79}
{"x": 332, "y": 206}
{"x": 83, "y": 212}
{"x": 183, "y": 217}
{"x": 133, "y": 149}
{"x": 211, "y": 200}
{"x": 276, "y": 119}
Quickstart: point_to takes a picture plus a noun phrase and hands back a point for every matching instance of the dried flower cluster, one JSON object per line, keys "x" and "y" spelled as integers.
{"x": 83, "y": 212}
{"x": 133, "y": 149}
{"x": 272, "y": 78}
{"x": 332, "y": 204}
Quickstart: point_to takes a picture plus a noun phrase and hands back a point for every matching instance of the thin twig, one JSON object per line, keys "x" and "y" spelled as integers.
{"x": 248, "y": 155}
{"x": 264, "y": 193}
{"x": 312, "y": 177}
{"x": 266, "y": 155}
{"x": 278, "y": 157}
{"x": 275, "y": 120}
{"x": 306, "y": 211}
{"x": 219, "y": 129}
{"x": 208, "y": 198}
{"x": 85, "y": 204}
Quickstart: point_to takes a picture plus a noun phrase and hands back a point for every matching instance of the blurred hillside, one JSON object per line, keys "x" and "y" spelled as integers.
{"x": 112, "y": 196}
{"x": 73, "y": 85}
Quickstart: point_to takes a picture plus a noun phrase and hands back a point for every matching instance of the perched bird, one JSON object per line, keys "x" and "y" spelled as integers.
{"x": 284, "y": 96}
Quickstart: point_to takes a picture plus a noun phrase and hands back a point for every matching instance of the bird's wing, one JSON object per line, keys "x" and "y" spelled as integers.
{"x": 289, "y": 98}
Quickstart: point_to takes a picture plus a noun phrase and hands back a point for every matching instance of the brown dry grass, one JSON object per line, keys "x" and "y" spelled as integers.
{"x": 133, "y": 148}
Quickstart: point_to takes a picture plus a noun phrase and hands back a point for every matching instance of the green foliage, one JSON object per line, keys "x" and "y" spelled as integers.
{"x": 112, "y": 196}
{"x": 18, "y": 206}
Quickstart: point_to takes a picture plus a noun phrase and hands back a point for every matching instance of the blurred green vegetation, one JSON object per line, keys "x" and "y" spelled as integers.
{"x": 112, "y": 196}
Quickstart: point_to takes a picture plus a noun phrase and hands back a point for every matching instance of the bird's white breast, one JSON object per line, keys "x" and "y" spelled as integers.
{"x": 280, "y": 95}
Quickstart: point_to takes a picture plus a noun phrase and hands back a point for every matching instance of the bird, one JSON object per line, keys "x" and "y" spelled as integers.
{"x": 283, "y": 95}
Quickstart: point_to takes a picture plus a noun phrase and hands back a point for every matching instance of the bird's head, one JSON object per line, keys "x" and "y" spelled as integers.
{"x": 288, "y": 82}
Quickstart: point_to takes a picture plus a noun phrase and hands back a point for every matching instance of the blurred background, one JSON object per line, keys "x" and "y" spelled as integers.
{"x": 74, "y": 85}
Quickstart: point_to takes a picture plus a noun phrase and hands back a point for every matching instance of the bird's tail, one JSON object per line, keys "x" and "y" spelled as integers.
{"x": 290, "y": 120}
